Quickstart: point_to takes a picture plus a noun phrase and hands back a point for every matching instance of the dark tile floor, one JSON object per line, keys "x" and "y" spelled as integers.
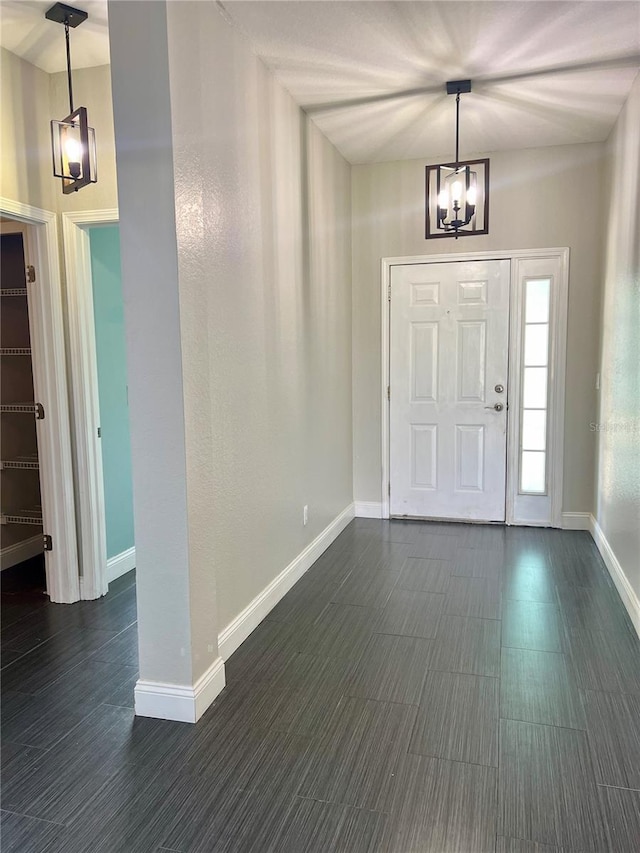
{"x": 425, "y": 688}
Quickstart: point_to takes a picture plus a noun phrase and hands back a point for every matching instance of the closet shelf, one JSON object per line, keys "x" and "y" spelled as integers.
{"x": 23, "y": 516}
{"x": 13, "y": 291}
{"x": 15, "y": 350}
{"x": 21, "y": 408}
{"x": 29, "y": 462}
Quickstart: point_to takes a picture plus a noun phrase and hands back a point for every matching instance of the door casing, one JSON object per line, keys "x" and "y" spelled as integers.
{"x": 559, "y": 306}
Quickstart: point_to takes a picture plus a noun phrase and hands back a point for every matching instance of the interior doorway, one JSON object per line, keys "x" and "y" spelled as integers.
{"x": 99, "y": 398}
{"x": 473, "y": 369}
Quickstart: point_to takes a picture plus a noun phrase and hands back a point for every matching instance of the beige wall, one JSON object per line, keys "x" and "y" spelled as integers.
{"x": 24, "y": 134}
{"x": 258, "y": 279}
{"x": 540, "y": 198}
{"x": 265, "y": 312}
{"x": 618, "y": 475}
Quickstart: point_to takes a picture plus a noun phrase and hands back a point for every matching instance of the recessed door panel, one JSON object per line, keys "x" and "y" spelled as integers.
{"x": 424, "y": 361}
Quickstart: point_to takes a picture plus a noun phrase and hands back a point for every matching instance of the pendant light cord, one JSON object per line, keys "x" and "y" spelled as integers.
{"x": 66, "y": 35}
{"x": 457, "y": 127}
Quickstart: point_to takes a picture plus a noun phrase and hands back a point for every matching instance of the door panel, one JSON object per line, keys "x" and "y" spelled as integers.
{"x": 449, "y": 351}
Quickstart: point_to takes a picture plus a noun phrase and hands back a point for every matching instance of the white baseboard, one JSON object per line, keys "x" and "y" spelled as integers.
{"x": 14, "y": 554}
{"x": 121, "y": 564}
{"x": 626, "y": 591}
{"x": 576, "y": 520}
{"x": 183, "y": 703}
{"x": 237, "y": 631}
{"x": 368, "y": 509}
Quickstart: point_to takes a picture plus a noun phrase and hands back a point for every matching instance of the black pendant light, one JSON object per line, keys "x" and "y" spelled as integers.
{"x": 457, "y": 193}
{"x": 73, "y": 142}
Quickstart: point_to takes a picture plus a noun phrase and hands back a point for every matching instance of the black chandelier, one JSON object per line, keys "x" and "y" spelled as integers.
{"x": 457, "y": 193}
{"x": 73, "y": 142}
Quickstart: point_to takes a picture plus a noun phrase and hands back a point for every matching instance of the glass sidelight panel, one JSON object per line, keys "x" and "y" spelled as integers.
{"x": 535, "y": 375}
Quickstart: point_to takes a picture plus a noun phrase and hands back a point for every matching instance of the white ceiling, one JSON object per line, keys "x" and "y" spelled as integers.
{"x": 372, "y": 74}
{"x": 24, "y": 30}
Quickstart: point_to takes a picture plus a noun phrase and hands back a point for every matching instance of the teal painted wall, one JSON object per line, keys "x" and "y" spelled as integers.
{"x": 112, "y": 387}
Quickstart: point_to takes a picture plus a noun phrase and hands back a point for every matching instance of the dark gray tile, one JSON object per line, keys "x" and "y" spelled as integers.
{"x": 517, "y": 845}
{"x": 582, "y": 571}
{"x": 303, "y": 603}
{"x": 35, "y": 671}
{"x": 214, "y": 818}
{"x": 16, "y": 756}
{"x": 58, "y": 785}
{"x": 491, "y": 537}
{"x": 458, "y": 718}
{"x": 445, "y": 806}
{"x": 435, "y": 547}
{"x": 123, "y": 649}
{"x": 535, "y": 581}
{"x": 604, "y": 660}
{"x": 356, "y": 761}
{"x": 425, "y": 575}
{"x": 315, "y": 827}
{"x": 341, "y": 631}
{"x": 133, "y": 811}
{"x": 538, "y": 687}
{"x": 381, "y": 556}
{"x": 532, "y": 625}
{"x": 613, "y": 724}
{"x": 94, "y": 683}
{"x": 22, "y": 834}
{"x": 547, "y": 792}
{"x": 392, "y": 669}
{"x": 365, "y": 588}
{"x": 476, "y": 597}
{"x": 478, "y": 563}
{"x": 10, "y": 656}
{"x": 263, "y": 654}
{"x": 467, "y": 645}
{"x": 41, "y": 722}
{"x": 592, "y": 609}
{"x": 411, "y": 613}
{"x": 621, "y": 811}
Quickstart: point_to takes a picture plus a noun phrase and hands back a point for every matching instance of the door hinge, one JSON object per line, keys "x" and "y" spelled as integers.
{"x": 389, "y": 293}
{"x": 39, "y": 412}
{"x": 99, "y": 432}
{"x": 388, "y": 392}
{"x": 389, "y": 489}
{"x": 31, "y": 273}
{"x": 48, "y": 542}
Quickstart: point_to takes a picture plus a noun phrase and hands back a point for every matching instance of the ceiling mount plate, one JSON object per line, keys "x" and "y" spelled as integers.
{"x": 63, "y": 14}
{"x": 458, "y": 86}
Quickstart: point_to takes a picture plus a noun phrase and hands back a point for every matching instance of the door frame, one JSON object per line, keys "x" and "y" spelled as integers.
{"x": 92, "y": 534}
{"x": 559, "y": 311}
{"x": 46, "y": 327}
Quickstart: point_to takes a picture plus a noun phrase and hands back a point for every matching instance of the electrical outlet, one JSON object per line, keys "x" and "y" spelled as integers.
{"x": 305, "y": 515}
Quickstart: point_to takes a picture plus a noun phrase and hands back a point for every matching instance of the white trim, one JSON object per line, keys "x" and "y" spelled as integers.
{"x": 121, "y": 564}
{"x": 50, "y": 385}
{"x": 576, "y": 521}
{"x": 183, "y": 703}
{"x": 85, "y": 404}
{"x": 237, "y": 631}
{"x": 623, "y": 585}
{"x": 368, "y": 509}
{"x": 20, "y": 551}
{"x": 556, "y": 435}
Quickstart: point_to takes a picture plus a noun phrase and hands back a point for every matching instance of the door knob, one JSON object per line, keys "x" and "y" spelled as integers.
{"x": 497, "y": 406}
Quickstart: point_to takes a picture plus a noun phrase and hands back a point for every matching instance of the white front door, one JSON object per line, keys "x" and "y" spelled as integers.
{"x": 448, "y": 389}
